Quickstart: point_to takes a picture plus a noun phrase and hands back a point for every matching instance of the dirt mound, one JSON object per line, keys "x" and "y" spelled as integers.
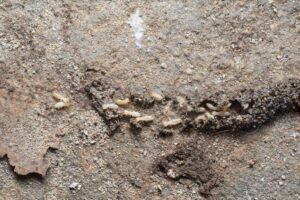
{"x": 190, "y": 162}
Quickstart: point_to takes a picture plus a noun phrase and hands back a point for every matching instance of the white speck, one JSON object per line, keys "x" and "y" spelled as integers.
{"x": 294, "y": 134}
{"x": 189, "y": 71}
{"x": 92, "y": 142}
{"x": 75, "y": 186}
{"x": 136, "y": 23}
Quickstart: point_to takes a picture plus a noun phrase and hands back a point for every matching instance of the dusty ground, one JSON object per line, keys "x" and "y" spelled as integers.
{"x": 95, "y": 52}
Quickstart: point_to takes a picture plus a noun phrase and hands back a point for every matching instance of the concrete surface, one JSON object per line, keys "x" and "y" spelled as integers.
{"x": 175, "y": 48}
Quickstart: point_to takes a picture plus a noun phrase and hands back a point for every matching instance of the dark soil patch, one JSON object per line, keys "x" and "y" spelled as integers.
{"x": 189, "y": 162}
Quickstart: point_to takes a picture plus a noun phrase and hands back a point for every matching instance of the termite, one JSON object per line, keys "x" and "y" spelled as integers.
{"x": 147, "y": 118}
{"x": 211, "y": 107}
{"x": 156, "y": 96}
{"x": 63, "y": 102}
{"x": 129, "y": 113}
{"x": 60, "y": 105}
{"x": 222, "y": 114}
{"x": 110, "y": 106}
{"x": 201, "y": 118}
{"x": 59, "y": 97}
{"x": 172, "y": 122}
{"x": 122, "y": 102}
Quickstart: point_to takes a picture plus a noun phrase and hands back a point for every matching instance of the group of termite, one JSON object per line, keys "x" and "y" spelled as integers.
{"x": 183, "y": 113}
{"x": 206, "y": 113}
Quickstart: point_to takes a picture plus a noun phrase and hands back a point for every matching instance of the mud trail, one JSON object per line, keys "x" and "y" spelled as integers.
{"x": 242, "y": 110}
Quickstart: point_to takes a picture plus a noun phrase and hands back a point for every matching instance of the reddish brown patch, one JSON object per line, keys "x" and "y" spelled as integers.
{"x": 86, "y": 160}
{"x": 24, "y": 136}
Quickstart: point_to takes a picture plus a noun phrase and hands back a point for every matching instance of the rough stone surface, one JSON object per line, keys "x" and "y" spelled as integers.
{"x": 192, "y": 49}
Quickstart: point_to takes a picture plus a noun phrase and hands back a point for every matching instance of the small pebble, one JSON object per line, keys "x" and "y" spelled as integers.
{"x": 245, "y": 106}
{"x": 163, "y": 65}
{"x": 251, "y": 163}
{"x": 145, "y": 153}
{"x": 92, "y": 142}
{"x": 171, "y": 174}
{"x": 75, "y": 186}
{"x": 189, "y": 71}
